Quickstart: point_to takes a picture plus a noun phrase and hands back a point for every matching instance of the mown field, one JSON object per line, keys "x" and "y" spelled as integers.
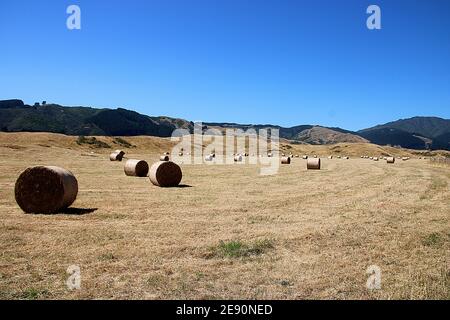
{"x": 227, "y": 232}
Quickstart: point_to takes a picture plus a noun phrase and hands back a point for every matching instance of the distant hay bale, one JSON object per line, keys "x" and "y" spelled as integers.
{"x": 338, "y": 157}
{"x": 371, "y": 158}
{"x": 345, "y": 157}
{"x": 209, "y": 158}
{"x": 213, "y": 155}
{"x": 405, "y": 158}
{"x": 286, "y": 160}
{"x": 305, "y": 157}
{"x": 297, "y": 156}
{"x": 180, "y": 154}
{"x": 390, "y": 159}
{"x": 238, "y": 158}
{"x": 330, "y": 157}
{"x": 269, "y": 154}
{"x": 45, "y": 189}
{"x": 313, "y": 163}
{"x": 116, "y": 155}
{"x": 136, "y": 168}
{"x": 164, "y": 157}
{"x": 315, "y": 156}
{"x": 165, "y": 174}
{"x": 375, "y": 158}
{"x": 166, "y": 154}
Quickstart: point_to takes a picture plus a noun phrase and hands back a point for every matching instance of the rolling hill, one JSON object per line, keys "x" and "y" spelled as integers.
{"x": 415, "y": 133}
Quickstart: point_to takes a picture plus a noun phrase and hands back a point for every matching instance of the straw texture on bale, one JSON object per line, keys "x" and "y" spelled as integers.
{"x": 390, "y": 159}
{"x": 116, "y": 155}
{"x": 313, "y": 163}
{"x": 164, "y": 157}
{"x": 165, "y": 174}
{"x": 45, "y": 189}
{"x": 286, "y": 160}
{"x": 136, "y": 168}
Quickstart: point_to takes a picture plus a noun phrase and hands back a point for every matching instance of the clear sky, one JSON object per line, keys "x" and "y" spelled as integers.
{"x": 247, "y": 61}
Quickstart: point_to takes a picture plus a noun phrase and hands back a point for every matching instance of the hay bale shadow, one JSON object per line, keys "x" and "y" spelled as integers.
{"x": 183, "y": 186}
{"x": 77, "y": 211}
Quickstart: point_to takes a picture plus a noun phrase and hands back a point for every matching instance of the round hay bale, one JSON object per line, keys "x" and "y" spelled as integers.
{"x": 238, "y": 158}
{"x": 305, "y": 157}
{"x": 45, "y": 189}
{"x": 330, "y": 157}
{"x": 180, "y": 154}
{"x": 315, "y": 156}
{"x": 345, "y": 157}
{"x": 165, "y": 174}
{"x": 164, "y": 157}
{"x": 116, "y": 155}
{"x": 286, "y": 160}
{"x": 390, "y": 159}
{"x": 209, "y": 158}
{"x": 296, "y": 155}
{"x": 269, "y": 154}
{"x": 313, "y": 163}
{"x": 375, "y": 158}
{"x": 136, "y": 168}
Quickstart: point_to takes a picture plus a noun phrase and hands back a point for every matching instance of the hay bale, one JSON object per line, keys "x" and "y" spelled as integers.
{"x": 390, "y": 159}
{"x": 315, "y": 156}
{"x": 345, "y": 157}
{"x": 297, "y": 156}
{"x": 375, "y": 158}
{"x": 209, "y": 158}
{"x": 305, "y": 157}
{"x": 164, "y": 157}
{"x": 45, "y": 189}
{"x": 116, "y": 155}
{"x": 269, "y": 154}
{"x": 136, "y": 168}
{"x": 180, "y": 154}
{"x": 238, "y": 158}
{"x": 165, "y": 174}
{"x": 286, "y": 160}
{"x": 330, "y": 157}
{"x": 313, "y": 163}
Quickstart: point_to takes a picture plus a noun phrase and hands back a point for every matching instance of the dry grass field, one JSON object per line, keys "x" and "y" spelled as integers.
{"x": 227, "y": 232}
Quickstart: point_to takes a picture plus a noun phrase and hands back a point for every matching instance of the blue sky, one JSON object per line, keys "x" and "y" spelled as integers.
{"x": 247, "y": 61}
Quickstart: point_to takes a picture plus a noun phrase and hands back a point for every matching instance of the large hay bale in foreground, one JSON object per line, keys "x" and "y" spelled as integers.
{"x": 116, "y": 155}
{"x": 313, "y": 163}
{"x": 390, "y": 159}
{"x": 136, "y": 168}
{"x": 165, "y": 174}
{"x": 45, "y": 189}
{"x": 286, "y": 160}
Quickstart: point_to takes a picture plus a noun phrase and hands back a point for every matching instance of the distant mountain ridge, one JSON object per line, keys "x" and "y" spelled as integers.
{"x": 15, "y": 116}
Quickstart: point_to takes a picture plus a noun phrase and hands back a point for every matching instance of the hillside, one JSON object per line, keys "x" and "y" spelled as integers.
{"x": 422, "y": 133}
{"x": 17, "y": 117}
{"x": 415, "y": 133}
